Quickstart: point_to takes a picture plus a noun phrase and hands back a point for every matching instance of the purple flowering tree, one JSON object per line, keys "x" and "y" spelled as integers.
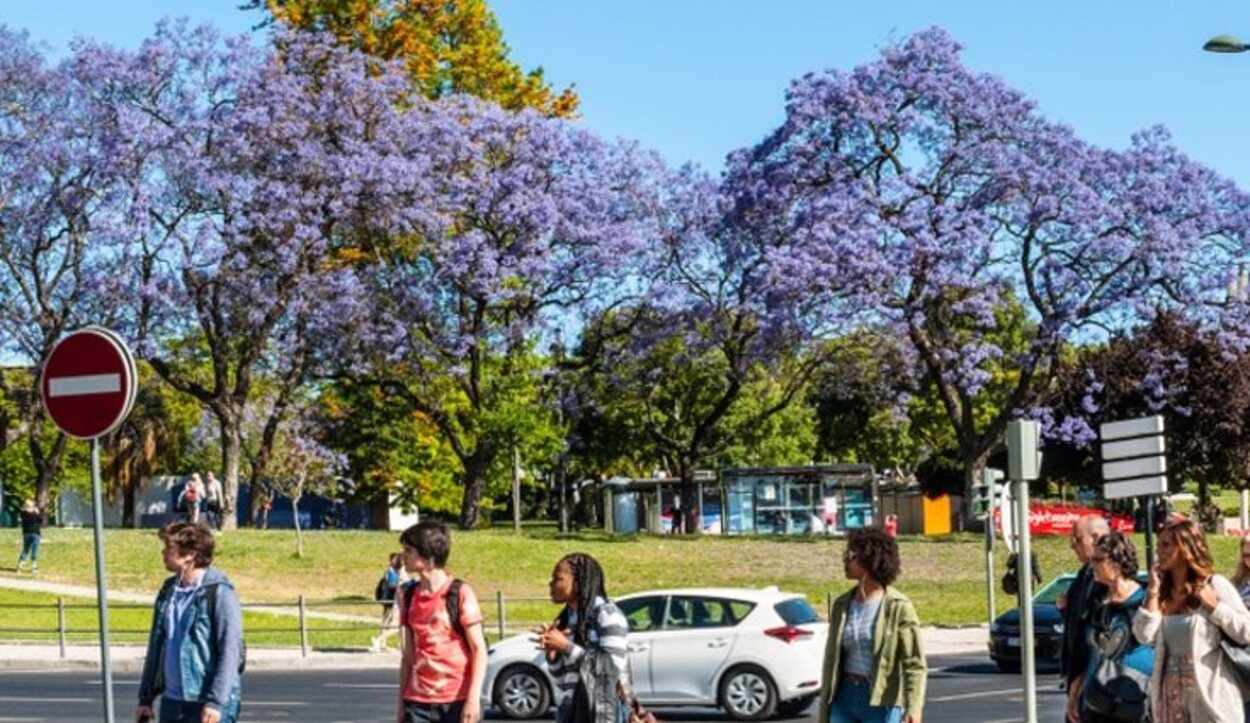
{"x": 712, "y": 354}
{"x": 58, "y": 188}
{"x": 929, "y": 191}
{"x": 252, "y": 169}
{"x": 530, "y": 220}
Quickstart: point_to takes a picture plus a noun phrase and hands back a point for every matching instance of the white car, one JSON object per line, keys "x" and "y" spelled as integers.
{"x": 750, "y": 652}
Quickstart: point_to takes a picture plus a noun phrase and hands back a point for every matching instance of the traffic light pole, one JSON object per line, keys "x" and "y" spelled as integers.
{"x": 988, "y": 477}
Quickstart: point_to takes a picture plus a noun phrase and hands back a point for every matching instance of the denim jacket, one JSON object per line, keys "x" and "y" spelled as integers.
{"x": 210, "y": 654}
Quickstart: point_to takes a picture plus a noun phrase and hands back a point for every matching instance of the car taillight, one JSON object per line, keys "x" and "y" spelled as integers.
{"x": 787, "y": 633}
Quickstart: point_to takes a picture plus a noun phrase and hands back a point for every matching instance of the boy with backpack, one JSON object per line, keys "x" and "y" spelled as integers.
{"x": 443, "y": 663}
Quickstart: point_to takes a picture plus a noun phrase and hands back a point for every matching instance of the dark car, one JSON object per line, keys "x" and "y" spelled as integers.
{"x": 1047, "y": 628}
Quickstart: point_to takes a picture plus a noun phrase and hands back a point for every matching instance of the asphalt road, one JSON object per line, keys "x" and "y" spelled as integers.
{"x": 962, "y": 689}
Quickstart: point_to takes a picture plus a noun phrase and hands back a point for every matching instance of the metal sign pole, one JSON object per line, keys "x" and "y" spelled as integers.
{"x": 1025, "y": 574}
{"x": 101, "y": 589}
{"x": 991, "y": 505}
{"x": 1024, "y": 463}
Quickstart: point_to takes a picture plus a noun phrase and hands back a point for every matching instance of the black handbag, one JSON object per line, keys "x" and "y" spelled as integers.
{"x": 1118, "y": 692}
{"x": 1238, "y": 656}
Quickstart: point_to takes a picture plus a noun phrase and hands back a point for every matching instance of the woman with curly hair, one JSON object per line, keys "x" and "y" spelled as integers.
{"x": 874, "y": 669}
{"x": 1114, "y": 685}
{"x": 1188, "y": 609}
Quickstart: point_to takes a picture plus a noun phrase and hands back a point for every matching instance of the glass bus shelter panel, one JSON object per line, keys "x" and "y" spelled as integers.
{"x": 740, "y": 505}
{"x": 857, "y": 508}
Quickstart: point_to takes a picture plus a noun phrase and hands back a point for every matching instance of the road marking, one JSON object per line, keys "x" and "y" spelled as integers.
{"x": 359, "y": 685}
{"x": 85, "y": 384}
{"x": 977, "y": 694}
{"x": 33, "y": 699}
{"x": 254, "y": 703}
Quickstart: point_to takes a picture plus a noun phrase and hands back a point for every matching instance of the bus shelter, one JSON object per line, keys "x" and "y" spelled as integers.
{"x": 811, "y": 500}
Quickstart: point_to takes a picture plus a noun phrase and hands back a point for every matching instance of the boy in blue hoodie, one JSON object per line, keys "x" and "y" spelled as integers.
{"x": 195, "y": 650}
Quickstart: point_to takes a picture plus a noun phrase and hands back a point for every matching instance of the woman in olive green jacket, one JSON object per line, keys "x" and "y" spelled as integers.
{"x": 874, "y": 670}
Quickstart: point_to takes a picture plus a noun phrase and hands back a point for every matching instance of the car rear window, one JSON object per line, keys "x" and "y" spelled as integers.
{"x": 796, "y": 611}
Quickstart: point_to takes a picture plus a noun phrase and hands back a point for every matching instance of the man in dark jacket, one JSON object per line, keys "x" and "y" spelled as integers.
{"x": 1078, "y": 605}
{"x": 195, "y": 649}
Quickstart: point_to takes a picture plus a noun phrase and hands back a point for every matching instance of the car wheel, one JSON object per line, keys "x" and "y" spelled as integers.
{"x": 795, "y": 706}
{"x": 521, "y": 693}
{"x": 748, "y": 693}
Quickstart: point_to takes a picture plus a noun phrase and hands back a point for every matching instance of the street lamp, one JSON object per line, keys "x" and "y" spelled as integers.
{"x": 1225, "y": 44}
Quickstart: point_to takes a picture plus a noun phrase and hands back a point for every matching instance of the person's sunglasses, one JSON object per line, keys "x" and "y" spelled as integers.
{"x": 848, "y": 555}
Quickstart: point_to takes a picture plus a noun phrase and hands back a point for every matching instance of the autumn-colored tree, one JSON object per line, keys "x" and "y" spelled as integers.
{"x": 448, "y": 46}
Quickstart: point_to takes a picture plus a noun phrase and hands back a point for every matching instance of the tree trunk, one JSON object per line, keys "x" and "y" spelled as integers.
{"x": 474, "y": 484}
{"x": 689, "y": 491}
{"x": 231, "y": 456}
{"x": 128, "y": 504}
{"x": 299, "y": 532}
{"x": 46, "y": 466}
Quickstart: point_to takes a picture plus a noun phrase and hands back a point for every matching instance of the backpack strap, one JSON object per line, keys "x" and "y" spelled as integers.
{"x": 453, "y": 605}
{"x": 210, "y": 604}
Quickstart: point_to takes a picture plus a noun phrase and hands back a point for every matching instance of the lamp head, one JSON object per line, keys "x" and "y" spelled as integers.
{"x": 1225, "y": 44}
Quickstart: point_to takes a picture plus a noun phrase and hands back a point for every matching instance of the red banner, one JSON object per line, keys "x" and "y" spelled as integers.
{"x": 1059, "y": 519}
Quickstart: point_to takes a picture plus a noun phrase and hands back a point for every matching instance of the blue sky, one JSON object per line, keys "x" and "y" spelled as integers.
{"x": 695, "y": 79}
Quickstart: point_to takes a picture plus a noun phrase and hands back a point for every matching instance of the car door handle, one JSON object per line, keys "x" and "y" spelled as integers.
{"x": 635, "y": 648}
{"x": 720, "y": 643}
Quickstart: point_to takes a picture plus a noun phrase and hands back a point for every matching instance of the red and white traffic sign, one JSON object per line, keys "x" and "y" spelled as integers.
{"x": 89, "y": 383}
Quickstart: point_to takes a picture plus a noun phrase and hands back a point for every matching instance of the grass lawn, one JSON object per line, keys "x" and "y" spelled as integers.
{"x": 945, "y": 576}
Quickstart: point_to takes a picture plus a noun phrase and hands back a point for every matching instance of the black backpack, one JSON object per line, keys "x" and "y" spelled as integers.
{"x": 384, "y": 591}
{"x": 453, "y": 602}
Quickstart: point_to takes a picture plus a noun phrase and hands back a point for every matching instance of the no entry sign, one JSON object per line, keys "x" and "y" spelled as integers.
{"x": 89, "y": 383}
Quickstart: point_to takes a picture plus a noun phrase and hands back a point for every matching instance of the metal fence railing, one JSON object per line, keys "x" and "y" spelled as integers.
{"x": 337, "y": 624}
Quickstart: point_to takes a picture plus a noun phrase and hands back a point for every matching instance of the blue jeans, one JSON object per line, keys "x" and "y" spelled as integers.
{"x": 30, "y": 549}
{"x": 850, "y": 705}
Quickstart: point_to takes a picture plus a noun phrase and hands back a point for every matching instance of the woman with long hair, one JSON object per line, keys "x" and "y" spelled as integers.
{"x": 1188, "y": 610}
{"x": 1114, "y": 685}
{"x": 585, "y": 646}
{"x": 866, "y": 679}
{"x": 1241, "y": 576}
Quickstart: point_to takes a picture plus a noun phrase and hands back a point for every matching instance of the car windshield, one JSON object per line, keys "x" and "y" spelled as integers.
{"x": 1053, "y": 589}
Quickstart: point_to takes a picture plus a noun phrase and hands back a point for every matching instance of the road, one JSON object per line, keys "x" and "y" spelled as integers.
{"x": 962, "y": 689}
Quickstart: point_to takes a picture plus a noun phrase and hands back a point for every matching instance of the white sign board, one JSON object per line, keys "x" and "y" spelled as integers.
{"x": 1140, "y": 447}
{"x": 1142, "y": 467}
{"x": 1130, "y": 428}
{"x": 1135, "y": 487}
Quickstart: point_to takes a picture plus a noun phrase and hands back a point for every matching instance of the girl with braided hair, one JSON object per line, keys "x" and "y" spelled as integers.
{"x": 585, "y": 646}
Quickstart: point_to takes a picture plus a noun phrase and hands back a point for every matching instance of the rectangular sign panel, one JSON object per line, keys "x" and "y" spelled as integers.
{"x": 1140, "y": 447}
{"x": 1131, "y": 428}
{"x": 1135, "y": 487}
{"x": 1144, "y": 467}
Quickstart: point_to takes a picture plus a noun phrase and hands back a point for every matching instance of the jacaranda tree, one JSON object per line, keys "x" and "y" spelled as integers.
{"x": 252, "y": 166}
{"x": 529, "y": 219}
{"x": 930, "y": 190}
{"x": 59, "y": 189}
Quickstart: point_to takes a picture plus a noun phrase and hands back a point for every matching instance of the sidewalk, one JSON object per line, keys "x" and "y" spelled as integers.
{"x": 129, "y": 658}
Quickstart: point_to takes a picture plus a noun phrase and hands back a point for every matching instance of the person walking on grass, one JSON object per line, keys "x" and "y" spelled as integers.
{"x": 443, "y": 661}
{"x": 32, "y": 532}
{"x": 386, "y": 591}
{"x": 874, "y": 667}
{"x": 195, "y": 653}
{"x": 585, "y": 646}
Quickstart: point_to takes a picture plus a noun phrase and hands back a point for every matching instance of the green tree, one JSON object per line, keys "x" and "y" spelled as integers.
{"x": 447, "y": 47}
